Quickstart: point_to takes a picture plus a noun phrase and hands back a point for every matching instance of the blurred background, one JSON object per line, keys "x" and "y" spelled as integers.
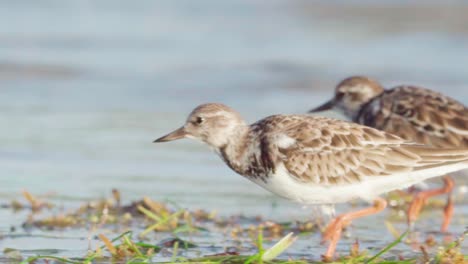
{"x": 86, "y": 86}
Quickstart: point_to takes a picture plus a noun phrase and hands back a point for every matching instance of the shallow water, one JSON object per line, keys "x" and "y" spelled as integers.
{"x": 86, "y": 86}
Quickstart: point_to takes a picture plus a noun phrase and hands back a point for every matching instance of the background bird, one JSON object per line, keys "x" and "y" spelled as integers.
{"x": 413, "y": 113}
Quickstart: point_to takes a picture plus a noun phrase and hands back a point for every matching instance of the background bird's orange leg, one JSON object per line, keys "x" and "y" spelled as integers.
{"x": 448, "y": 213}
{"x": 421, "y": 198}
{"x": 334, "y": 229}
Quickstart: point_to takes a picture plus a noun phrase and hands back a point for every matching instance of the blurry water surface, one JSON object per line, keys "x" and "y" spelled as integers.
{"x": 86, "y": 86}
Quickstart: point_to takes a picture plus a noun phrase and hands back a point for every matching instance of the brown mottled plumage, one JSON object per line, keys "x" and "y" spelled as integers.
{"x": 316, "y": 160}
{"x": 419, "y": 115}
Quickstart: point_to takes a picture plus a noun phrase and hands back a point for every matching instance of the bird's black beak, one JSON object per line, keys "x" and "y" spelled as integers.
{"x": 326, "y": 106}
{"x": 176, "y": 134}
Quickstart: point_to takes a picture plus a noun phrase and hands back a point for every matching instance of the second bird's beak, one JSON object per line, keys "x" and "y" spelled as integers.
{"x": 177, "y": 134}
{"x": 326, "y": 106}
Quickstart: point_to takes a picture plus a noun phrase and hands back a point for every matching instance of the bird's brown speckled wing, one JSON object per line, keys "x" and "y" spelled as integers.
{"x": 419, "y": 115}
{"x": 327, "y": 151}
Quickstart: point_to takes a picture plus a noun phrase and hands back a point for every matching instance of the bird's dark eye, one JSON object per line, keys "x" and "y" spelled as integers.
{"x": 339, "y": 94}
{"x": 199, "y": 120}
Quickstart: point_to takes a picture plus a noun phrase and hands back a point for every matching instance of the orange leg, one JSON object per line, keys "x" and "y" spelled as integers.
{"x": 421, "y": 198}
{"x": 334, "y": 229}
{"x": 448, "y": 213}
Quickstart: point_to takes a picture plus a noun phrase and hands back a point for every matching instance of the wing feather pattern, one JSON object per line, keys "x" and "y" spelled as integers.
{"x": 420, "y": 115}
{"x": 330, "y": 152}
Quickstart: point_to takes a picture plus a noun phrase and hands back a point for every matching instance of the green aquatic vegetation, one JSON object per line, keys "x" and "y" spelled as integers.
{"x": 451, "y": 253}
{"x": 387, "y": 248}
{"x": 174, "y": 221}
{"x": 123, "y": 249}
{"x": 165, "y": 220}
{"x": 137, "y": 252}
{"x": 262, "y": 256}
{"x": 127, "y": 251}
{"x": 273, "y": 252}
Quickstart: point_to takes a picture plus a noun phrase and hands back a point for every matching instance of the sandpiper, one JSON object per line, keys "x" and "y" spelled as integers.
{"x": 316, "y": 160}
{"x": 412, "y": 113}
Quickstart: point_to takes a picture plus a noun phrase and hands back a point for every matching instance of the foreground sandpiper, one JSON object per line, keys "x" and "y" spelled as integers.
{"x": 412, "y": 113}
{"x": 316, "y": 160}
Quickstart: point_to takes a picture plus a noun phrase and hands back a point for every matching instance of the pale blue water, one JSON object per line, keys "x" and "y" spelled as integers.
{"x": 87, "y": 85}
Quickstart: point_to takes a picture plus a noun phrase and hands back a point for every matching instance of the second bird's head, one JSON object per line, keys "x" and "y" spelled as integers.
{"x": 351, "y": 94}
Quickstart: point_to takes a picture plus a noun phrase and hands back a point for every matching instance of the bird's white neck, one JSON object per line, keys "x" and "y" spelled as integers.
{"x": 235, "y": 151}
